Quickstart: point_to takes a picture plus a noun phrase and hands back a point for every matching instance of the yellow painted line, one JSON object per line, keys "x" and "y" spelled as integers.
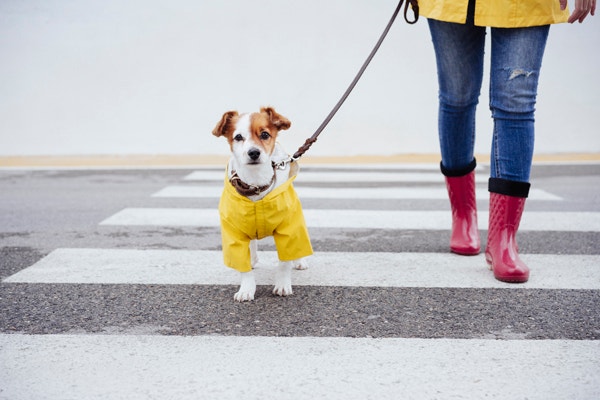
{"x": 133, "y": 161}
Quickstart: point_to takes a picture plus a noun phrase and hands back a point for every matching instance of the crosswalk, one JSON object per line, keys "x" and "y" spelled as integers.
{"x": 365, "y": 219}
{"x": 429, "y": 193}
{"x": 197, "y": 267}
{"x": 364, "y": 321}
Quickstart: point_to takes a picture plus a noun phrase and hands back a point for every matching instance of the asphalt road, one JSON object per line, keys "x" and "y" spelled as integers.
{"x": 45, "y": 210}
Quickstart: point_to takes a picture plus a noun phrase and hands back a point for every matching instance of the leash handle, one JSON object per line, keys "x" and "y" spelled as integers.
{"x": 414, "y": 5}
{"x": 415, "y": 8}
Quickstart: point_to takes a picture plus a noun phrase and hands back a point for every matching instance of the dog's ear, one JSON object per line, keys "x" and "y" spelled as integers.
{"x": 225, "y": 124}
{"x": 278, "y": 120}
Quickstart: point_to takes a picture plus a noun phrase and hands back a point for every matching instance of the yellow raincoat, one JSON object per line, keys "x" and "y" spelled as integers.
{"x": 495, "y": 13}
{"x": 278, "y": 214}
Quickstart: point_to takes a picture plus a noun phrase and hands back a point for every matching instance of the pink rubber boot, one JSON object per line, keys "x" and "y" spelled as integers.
{"x": 502, "y": 253}
{"x": 465, "y": 234}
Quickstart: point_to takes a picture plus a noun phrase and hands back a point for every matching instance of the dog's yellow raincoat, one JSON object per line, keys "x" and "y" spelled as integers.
{"x": 278, "y": 214}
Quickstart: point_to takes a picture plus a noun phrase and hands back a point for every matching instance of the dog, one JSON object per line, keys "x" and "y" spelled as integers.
{"x": 259, "y": 200}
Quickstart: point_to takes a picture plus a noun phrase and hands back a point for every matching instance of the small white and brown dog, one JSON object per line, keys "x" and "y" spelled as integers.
{"x": 259, "y": 200}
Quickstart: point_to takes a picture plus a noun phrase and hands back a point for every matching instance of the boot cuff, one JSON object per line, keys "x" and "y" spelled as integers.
{"x": 509, "y": 188}
{"x": 453, "y": 173}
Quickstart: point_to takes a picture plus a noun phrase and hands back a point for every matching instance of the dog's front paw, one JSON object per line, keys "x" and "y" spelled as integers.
{"x": 283, "y": 290}
{"x": 283, "y": 279}
{"x": 247, "y": 288}
{"x": 243, "y": 295}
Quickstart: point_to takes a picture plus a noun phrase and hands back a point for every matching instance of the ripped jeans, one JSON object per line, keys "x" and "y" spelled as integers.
{"x": 516, "y": 58}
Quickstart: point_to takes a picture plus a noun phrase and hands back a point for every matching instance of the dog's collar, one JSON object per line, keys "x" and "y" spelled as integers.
{"x": 245, "y": 189}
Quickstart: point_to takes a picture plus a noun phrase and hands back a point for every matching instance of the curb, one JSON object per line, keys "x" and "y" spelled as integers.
{"x": 186, "y": 160}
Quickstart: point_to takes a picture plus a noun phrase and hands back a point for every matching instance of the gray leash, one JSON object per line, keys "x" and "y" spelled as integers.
{"x": 415, "y": 9}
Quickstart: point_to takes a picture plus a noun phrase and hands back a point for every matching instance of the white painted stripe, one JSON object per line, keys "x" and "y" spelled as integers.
{"x": 380, "y": 166}
{"x": 367, "y": 219}
{"x": 219, "y": 367}
{"x": 165, "y": 217}
{"x": 432, "y": 270}
{"x": 347, "y": 176}
{"x": 481, "y": 167}
{"x": 212, "y": 191}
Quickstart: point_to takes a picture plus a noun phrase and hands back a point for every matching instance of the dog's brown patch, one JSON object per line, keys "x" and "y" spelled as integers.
{"x": 226, "y": 125}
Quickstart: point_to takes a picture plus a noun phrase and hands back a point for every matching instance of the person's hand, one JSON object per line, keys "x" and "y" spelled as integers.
{"x": 582, "y": 9}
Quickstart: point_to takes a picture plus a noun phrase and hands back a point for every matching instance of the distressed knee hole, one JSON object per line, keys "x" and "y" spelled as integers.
{"x": 515, "y": 73}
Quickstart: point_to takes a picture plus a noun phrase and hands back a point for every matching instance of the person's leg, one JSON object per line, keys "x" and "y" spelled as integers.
{"x": 459, "y": 51}
{"x": 515, "y": 66}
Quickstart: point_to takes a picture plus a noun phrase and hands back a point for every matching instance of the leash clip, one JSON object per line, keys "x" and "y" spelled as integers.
{"x": 282, "y": 165}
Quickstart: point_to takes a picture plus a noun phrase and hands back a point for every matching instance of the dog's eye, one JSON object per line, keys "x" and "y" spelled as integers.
{"x": 264, "y": 135}
{"x": 238, "y": 137}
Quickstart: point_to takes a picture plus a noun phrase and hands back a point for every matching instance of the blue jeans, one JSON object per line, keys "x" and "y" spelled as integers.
{"x": 516, "y": 59}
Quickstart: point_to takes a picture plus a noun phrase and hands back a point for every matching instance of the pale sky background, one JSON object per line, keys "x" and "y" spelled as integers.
{"x": 91, "y": 77}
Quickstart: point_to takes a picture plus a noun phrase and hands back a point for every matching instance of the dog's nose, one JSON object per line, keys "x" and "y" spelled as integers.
{"x": 254, "y": 154}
